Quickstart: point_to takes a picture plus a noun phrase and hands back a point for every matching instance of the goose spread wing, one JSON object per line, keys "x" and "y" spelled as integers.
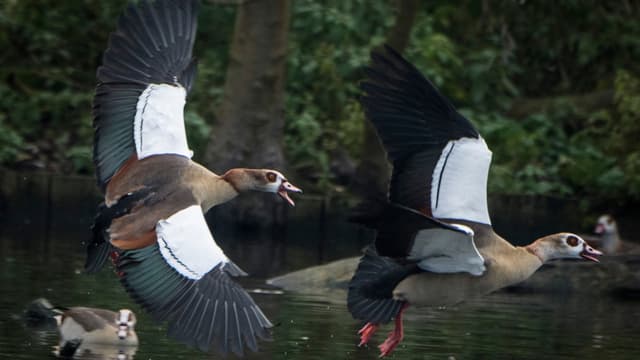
{"x": 184, "y": 279}
{"x": 440, "y": 162}
{"x": 146, "y": 73}
{"x": 434, "y": 245}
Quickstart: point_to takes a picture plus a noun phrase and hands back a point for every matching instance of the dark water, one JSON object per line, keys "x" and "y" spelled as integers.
{"x": 40, "y": 256}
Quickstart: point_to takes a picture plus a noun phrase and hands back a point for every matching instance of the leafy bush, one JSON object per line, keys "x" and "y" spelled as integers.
{"x": 484, "y": 55}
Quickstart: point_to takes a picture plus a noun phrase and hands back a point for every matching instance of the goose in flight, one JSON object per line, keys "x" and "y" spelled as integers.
{"x": 434, "y": 244}
{"x": 151, "y": 222}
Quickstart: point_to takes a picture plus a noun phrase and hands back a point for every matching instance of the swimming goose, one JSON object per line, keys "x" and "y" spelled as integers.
{"x": 609, "y": 239}
{"x": 85, "y": 325}
{"x": 434, "y": 244}
{"x": 151, "y": 222}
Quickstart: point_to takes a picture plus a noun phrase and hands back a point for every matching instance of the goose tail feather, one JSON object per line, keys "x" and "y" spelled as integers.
{"x": 370, "y": 295}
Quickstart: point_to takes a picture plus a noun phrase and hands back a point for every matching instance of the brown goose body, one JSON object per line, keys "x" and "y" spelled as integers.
{"x": 172, "y": 172}
{"x": 505, "y": 265}
{"x": 151, "y": 223}
{"x": 176, "y": 182}
{"x": 434, "y": 241}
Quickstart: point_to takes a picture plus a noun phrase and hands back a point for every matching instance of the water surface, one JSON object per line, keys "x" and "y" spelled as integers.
{"x": 41, "y": 256}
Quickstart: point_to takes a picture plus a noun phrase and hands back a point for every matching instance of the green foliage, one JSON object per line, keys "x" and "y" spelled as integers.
{"x": 625, "y": 130}
{"x": 198, "y": 131}
{"x": 47, "y": 80}
{"x": 484, "y": 55}
{"x": 48, "y": 77}
{"x": 329, "y": 44}
{"x": 11, "y": 142}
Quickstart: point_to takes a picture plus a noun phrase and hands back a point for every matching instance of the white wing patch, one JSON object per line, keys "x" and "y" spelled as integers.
{"x": 159, "y": 122}
{"x": 187, "y": 244}
{"x": 459, "y": 185}
{"x": 446, "y": 251}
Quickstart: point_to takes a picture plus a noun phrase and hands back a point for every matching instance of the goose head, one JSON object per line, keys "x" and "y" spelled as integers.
{"x": 125, "y": 323}
{"x": 265, "y": 180}
{"x": 606, "y": 225}
{"x": 564, "y": 246}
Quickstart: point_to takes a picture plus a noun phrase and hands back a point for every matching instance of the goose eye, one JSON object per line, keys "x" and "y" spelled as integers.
{"x": 573, "y": 241}
{"x": 271, "y": 177}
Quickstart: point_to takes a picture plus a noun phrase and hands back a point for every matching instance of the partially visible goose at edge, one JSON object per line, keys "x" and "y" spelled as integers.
{"x": 152, "y": 220}
{"x": 435, "y": 244}
{"x": 608, "y": 239}
{"x": 84, "y": 325}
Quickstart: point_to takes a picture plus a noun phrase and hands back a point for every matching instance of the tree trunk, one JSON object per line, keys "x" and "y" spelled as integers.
{"x": 248, "y": 131}
{"x": 374, "y": 171}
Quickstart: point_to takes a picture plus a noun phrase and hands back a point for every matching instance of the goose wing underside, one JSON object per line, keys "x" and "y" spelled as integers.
{"x": 185, "y": 279}
{"x": 146, "y": 72}
{"x": 435, "y": 246}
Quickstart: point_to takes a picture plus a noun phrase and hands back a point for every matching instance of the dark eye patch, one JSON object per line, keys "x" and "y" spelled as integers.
{"x": 271, "y": 177}
{"x": 573, "y": 240}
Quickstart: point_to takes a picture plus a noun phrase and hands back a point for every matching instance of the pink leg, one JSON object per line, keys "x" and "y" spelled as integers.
{"x": 367, "y": 332}
{"x": 114, "y": 260}
{"x": 114, "y": 257}
{"x": 395, "y": 337}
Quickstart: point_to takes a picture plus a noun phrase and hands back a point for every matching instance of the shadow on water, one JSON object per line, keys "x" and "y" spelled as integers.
{"x": 43, "y": 220}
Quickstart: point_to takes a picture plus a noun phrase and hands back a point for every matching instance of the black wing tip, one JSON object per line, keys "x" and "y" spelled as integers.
{"x": 199, "y": 312}
{"x": 375, "y": 306}
{"x": 244, "y": 323}
{"x": 152, "y": 43}
{"x": 395, "y": 87}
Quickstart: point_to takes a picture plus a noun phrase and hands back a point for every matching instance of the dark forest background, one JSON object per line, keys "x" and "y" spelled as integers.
{"x": 553, "y": 86}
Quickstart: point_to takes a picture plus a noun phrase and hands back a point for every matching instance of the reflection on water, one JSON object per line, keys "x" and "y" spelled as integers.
{"x": 43, "y": 258}
{"x": 96, "y": 352}
{"x": 500, "y": 326}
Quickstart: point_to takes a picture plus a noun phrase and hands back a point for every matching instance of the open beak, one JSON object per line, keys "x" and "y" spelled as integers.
{"x": 599, "y": 229}
{"x": 284, "y": 190}
{"x": 590, "y": 253}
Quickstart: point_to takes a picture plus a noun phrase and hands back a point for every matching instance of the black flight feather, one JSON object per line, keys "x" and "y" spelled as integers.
{"x": 153, "y": 44}
{"x": 396, "y": 225}
{"x": 414, "y": 122}
{"x": 370, "y": 296}
{"x": 212, "y": 312}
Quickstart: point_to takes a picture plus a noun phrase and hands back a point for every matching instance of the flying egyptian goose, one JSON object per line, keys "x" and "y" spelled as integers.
{"x": 434, "y": 244}
{"x": 86, "y": 325}
{"x": 152, "y": 219}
